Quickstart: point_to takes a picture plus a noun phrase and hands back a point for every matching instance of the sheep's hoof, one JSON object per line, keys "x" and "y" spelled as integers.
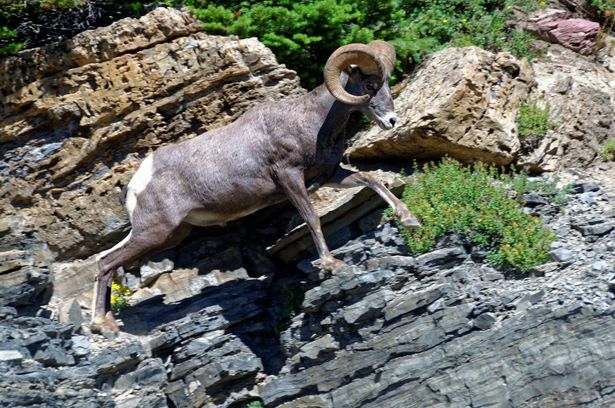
{"x": 406, "y": 218}
{"x": 107, "y": 326}
{"x": 332, "y": 265}
{"x": 410, "y": 222}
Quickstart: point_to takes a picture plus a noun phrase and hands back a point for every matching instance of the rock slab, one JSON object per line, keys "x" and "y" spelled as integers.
{"x": 461, "y": 102}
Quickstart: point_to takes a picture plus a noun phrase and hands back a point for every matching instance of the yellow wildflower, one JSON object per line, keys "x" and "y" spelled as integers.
{"x": 444, "y": 20}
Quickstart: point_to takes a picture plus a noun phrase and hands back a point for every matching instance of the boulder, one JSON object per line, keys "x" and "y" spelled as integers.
{"x": 24, "y": 277}
{"x": 580, "y": 95}
{"x": 556, "y": 26}
{"x": 462, "y": 102}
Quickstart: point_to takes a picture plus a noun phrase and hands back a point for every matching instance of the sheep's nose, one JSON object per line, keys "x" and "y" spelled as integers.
{"x": 392, "y": 121}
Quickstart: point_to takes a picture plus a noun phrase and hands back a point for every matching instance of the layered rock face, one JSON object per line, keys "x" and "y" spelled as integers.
{"x": 391, "y": 330}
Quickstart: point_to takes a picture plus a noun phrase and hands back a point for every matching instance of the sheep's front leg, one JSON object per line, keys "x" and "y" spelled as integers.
{"x": 292, "y": 182}
{"x": 346, "y": 178}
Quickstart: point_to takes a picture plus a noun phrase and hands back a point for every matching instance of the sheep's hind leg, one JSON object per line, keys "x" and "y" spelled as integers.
{"x": 346, "y": 178}
{"x": 136, "y": 245}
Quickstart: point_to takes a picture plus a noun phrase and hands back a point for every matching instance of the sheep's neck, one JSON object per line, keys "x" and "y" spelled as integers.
{"x": 334, "y": 117}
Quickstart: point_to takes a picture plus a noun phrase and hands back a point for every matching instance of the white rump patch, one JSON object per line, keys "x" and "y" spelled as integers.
{"x": 138, "y": 183}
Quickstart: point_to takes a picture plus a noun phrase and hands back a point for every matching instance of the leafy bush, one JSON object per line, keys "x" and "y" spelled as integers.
{"x": 449, "y": 197}
{"x": 533, "y": 121}
{"x": 607, "y": 151}
{"x": 604, "y": 5}
{"x": 254, "y": 404}
{"x": 523, "y": 45}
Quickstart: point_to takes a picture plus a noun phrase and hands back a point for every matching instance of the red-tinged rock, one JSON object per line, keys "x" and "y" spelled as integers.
{"x": 577, "y": 34}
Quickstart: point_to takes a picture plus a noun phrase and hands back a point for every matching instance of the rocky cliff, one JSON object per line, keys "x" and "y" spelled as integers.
{"x": 394, "y": 330}
{"x": 239, "y": 315}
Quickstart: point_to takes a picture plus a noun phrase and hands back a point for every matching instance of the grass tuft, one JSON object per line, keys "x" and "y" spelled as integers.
{"x": 607, "y": 151}
{"x": 533, "y": 121}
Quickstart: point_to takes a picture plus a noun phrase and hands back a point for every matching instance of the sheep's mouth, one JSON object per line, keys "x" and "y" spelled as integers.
{"x": 384, "y": 125}
{"x": 387, "y": 122}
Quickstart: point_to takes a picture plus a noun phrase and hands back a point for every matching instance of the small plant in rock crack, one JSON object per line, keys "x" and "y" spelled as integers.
{"x": 521, "y": 183}
{"x": 607, "y": 150}
{"x": 291, "y": 304}
{"x": 533, "y": 121}
{"x": 7, "y": 46}
{"x": 254, "y": 404}
{"x": 119, "y": 297}
{"x": 449, "y": 197}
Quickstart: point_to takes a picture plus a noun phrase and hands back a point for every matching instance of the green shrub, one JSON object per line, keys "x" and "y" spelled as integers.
{"x": 522, "y": 44}
{"x": 449, "y": 197}
{"x": 607, "y": 152}
{"x": 255, "y": 404}
{"x": 533, "y": 121}
{"x": 10, "y": 49}
{"x": 303, "y": 34}
{"x": 604, "y": 5}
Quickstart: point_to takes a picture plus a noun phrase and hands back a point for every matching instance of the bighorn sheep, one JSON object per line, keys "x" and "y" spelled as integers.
{"x": 266, "y": 156}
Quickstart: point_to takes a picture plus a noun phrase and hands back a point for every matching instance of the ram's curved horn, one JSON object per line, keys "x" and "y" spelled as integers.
{"x": 385, "y": 52}
{"x": 364, "y": 57}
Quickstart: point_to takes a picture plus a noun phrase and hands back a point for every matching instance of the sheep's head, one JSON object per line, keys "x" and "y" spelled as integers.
{"x": 368, "y": 67}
